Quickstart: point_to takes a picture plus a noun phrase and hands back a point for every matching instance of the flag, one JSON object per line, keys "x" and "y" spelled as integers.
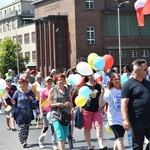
{"x": 142, "y": 8}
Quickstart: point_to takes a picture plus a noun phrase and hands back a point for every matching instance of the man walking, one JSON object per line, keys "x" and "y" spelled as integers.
{"x": 135, "y": 105}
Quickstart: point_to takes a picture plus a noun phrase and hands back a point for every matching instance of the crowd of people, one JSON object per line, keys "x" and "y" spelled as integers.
{"x": 126, "y": 106}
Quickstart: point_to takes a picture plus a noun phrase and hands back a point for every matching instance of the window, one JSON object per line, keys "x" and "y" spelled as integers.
{"x": 34, "y": 56}
{"x": 33, "y": 37}
{"x": 19, "y": 8}
{"x": 9, "y": 25}
{"x": 27, "y": 54}
{"x": 145, "y": 53}
{"x": 14, "y": 38}
{"x": 89, "y": 4}
{"x": 4, "y": 27}
{"x": 26, "y": 38}
{"x": 90, "y": 35}
{"x": 13, "y": 24}
{"x": 111, "y": 53}
{"x": 128, "y": 26}
{"x": 123, "y": 54}
{"x": 19, "y": 38}
{"x": 133, "y": 54}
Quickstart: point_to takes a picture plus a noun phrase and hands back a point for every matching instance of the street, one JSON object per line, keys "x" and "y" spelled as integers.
{"x": 9, "y": 139}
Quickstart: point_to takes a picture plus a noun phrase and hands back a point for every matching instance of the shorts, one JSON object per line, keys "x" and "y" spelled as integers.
{"x": 89, "y": 117}
{"x": 118, "y": 131}
{"x": 61, "y": 131}
{"x": 8, "y": 114}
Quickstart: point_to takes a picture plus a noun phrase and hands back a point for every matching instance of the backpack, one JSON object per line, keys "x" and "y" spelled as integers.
{"x": 78, "y": 120}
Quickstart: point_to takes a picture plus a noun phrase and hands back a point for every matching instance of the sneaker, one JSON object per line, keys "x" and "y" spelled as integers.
{"x": 25, "y": 145}
{"x": 13, "y": 129}
{"x": 41, "y": 145}
{"x": 8, "y": 128}
{"x": 55, "y": 147}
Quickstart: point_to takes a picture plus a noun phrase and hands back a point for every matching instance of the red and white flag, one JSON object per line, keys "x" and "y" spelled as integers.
{"x": 142, "y": 8}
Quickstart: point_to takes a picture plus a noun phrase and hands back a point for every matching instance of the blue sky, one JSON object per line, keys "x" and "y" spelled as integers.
{"x": 5, "y": 2}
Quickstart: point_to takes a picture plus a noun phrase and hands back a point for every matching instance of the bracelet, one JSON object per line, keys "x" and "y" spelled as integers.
{"x": 125, "y": 119}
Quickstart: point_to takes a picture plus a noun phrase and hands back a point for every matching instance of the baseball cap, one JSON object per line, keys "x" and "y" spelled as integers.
{"x": 53, "y": 70}
{"x": 48, "y": 78}
{"x": 10, "y": 70}
{"x": 33, "y": 71}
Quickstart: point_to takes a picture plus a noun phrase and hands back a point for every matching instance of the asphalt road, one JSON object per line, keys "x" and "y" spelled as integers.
{"x": 9, "y": 139}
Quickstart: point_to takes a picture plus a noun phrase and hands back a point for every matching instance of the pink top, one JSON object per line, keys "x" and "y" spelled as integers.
{"x": 44, "y": 95}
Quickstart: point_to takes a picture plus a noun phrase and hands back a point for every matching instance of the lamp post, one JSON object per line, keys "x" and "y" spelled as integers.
{"x": 54, "y": 48}
{"x": 17, "y": 56}
{"x": 119, "y": 38}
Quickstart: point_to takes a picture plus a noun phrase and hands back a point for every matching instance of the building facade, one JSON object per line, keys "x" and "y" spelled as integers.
{"x": 16, "y": 21}
{"x": 89, "y": 26}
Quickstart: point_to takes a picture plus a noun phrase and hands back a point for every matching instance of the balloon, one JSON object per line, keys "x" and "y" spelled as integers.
{"x": 99, "y": 63}
{"x": 48, "y": 116}
{"x": 84, "y": 69}
{"x": 124, "y": 78}
{"x": 70, "y": 79}
{"x": 2, "y": 84}
{"x": 91, "y": 58}
{"x": 84, "y": 91}
{"x": 103, "y": 74}
{"x": 81, "y": 83}
{"x": 80, "y": 100}
{"x": 98, "y": 76}
{"x": 77, "y": 79}
{"x": 46, "y": 103}
{"x": 109, "y": 61}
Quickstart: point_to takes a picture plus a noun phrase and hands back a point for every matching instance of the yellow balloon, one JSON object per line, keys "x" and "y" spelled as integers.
{"x": 45, "y": 103}
{"x": 80, "y": 100}
{"x": 91, "y": 58}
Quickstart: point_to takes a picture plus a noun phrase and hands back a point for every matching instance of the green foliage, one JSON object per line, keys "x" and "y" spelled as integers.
{"x": 8, "y": 56}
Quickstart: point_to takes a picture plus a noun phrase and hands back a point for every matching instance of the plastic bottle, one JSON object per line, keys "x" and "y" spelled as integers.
{"x": 129, "y": 139}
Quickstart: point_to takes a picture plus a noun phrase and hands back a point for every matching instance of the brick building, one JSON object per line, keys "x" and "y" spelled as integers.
{"x": 69, "y": 30}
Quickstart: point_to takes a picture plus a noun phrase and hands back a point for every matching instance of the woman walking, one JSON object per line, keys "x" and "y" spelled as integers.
{"x": 60, "y": 102}
{"x": 92, "y": 113}
{"x": 23, "y": 113}
{"x": 112, "y": 96}
{"x": 43, "y": 112}
{"x": 10, "y": 89}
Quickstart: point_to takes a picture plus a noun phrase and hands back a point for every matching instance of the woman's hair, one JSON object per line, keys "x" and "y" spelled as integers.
{"x": 73, "y": 70}
{"x": 23, "y": 79}
{"x": 59, "y": 76}
{"x": 126, "y": 68}
{"x": 110, "y": 84}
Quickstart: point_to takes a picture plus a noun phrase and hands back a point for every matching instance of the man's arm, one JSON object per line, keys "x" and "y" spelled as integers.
{"x": 124, "y": 111}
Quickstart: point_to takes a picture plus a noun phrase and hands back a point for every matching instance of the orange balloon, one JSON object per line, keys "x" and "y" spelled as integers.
{"x": 109, "y": 61}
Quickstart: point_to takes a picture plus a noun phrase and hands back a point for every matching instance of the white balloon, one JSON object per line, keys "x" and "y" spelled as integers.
{"x": 2, "y": 84}
{"x": 77, "y": 79}
{"x": 84, "y": 69}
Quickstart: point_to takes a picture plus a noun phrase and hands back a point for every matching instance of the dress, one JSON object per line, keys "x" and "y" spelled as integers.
{"x": 24, "y": 113}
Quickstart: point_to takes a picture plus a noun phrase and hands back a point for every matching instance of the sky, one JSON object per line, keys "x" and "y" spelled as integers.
{"x": 5, "y": 2}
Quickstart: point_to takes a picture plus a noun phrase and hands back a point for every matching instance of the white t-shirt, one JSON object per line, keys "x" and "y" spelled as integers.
{"x": 113, "y": 98}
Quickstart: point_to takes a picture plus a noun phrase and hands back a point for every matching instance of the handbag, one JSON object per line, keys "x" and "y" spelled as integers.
{"x": 78, "y": 120}
{"x": 64, "y": 118}
{"x": 8, "y": 108}
{"x": 33, "y": 104}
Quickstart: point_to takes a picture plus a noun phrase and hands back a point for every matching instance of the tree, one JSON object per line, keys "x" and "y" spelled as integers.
{"x": 8, "y": 56}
